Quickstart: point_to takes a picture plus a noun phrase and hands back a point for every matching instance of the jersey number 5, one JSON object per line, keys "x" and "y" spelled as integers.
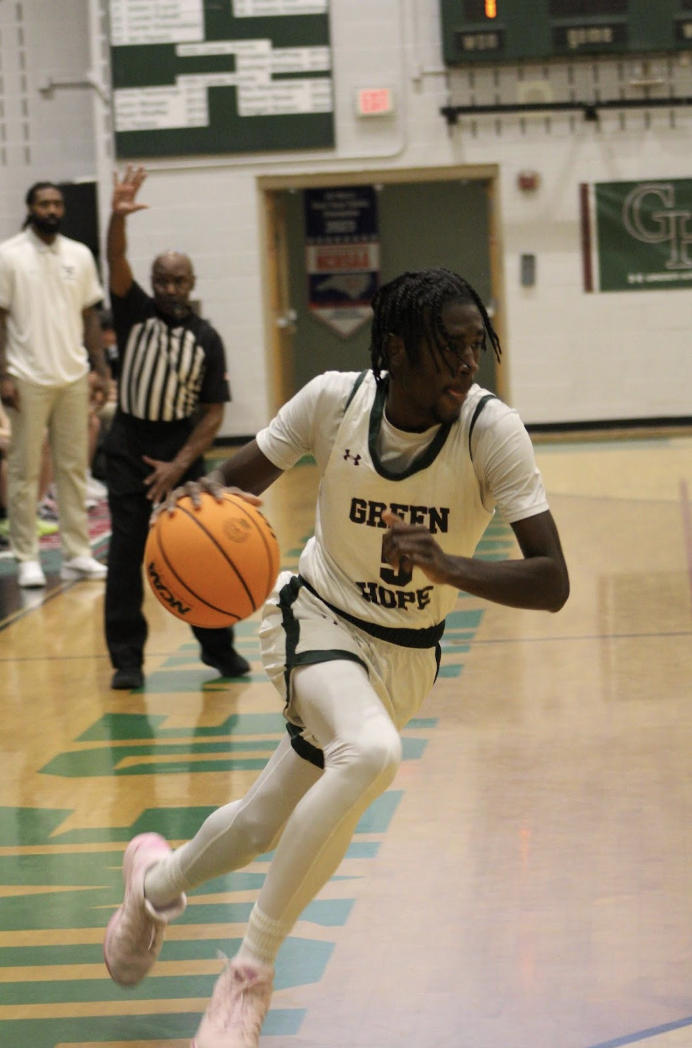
{"x": 402, "y": 577}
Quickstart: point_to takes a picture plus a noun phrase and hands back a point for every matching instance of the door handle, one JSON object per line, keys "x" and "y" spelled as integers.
{"x": 287, "y": 319}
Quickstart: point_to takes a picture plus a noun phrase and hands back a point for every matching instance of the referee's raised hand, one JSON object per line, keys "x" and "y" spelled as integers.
{"x": 125, "y": 191}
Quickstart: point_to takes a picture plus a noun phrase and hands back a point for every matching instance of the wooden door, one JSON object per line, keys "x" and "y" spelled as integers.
{"x": 282, "y": 315}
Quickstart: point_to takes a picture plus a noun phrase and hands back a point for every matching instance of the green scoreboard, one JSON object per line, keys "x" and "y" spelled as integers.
{"x": 512, "y": 30}
{"x": 194, "y": 77}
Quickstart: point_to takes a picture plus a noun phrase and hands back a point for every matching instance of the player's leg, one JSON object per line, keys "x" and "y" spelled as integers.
{"x": 229, "y": 839}
{"x": 238, "y": 832}
{"x": 362, "y": 752}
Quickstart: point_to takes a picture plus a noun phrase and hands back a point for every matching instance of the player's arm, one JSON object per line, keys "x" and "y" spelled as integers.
{"x": 123, "y": 204}
{"x": 288, "y": 437}
{"x": 248, "y": 473}
{"x": 505, "y": 461}
{"x": 539, "y": 580}
{"x": 249, "y": 470}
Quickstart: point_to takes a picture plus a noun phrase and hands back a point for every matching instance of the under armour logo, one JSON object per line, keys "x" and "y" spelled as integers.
{"x": 348, "y": 455}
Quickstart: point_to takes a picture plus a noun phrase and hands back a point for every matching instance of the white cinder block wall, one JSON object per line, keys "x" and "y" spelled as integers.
{"x": 570, "y": 357}
{"x": 42, "y": 136}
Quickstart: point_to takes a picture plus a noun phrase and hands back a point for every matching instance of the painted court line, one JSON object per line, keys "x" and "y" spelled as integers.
{"x": 20, "y": 613}
{"x": 645, "y": 1035}
{"x": 583, "y": 636}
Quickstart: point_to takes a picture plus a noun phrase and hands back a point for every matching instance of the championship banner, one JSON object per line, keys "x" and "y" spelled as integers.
{"x": 342, "y": 250}
{"x": 643, "y": 235}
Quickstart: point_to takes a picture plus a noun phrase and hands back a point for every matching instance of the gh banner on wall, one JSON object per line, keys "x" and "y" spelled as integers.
{"x": 342, "y": 255}
{"x": 643, "y": 234}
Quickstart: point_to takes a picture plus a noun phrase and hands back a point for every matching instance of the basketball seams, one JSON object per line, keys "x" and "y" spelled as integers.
{"x": 236, "y": 501}
{"x": 197, "y": 596}
{"x": 222, "y": 551}
{"x": 200, "y": 555}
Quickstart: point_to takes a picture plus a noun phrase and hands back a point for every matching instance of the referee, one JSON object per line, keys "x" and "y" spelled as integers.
{"x": 171, "y": 396}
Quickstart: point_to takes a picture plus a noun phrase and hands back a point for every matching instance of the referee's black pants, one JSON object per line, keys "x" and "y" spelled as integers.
{"x": 126, "y": 626}
{"x": 130, "y": 510}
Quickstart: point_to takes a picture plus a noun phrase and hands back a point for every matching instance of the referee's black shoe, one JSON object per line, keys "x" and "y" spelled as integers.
{"x": 127, "y": 678}
{"x": 230, "y": 664}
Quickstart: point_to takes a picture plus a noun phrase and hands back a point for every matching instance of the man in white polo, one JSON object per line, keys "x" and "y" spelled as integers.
{"x": 49, "y": 330}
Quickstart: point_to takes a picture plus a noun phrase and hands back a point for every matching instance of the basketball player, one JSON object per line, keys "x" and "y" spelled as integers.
{"x": 413, "y": 458}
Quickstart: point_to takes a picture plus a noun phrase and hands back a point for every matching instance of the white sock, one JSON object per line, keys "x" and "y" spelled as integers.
{"x": 263, "y": 938}
{"x": 163, "y": 883}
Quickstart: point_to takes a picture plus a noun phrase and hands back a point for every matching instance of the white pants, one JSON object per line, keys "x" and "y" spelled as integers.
{"x": 63, "y": 411}
{"x": 311, "y": 812}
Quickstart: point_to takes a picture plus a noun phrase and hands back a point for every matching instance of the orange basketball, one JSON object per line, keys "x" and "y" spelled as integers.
{"x": 211, "y": 565}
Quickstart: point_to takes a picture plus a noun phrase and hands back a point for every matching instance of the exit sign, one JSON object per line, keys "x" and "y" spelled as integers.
{"x": 374, "y": 101}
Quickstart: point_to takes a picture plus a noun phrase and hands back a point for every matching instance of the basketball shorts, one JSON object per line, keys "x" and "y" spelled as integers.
{"x": 298, "y": 629}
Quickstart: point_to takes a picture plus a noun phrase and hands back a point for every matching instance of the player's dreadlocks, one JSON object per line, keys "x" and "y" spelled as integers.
{"x": 410, "y": 306}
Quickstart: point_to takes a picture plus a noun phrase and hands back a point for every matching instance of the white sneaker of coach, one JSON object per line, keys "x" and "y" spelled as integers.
{"x": 31, "y": 574}
{"x": 83, "y": 568}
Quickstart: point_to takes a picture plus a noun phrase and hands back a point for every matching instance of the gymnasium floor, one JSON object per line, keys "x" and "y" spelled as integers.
{"x": 525, "y": 883}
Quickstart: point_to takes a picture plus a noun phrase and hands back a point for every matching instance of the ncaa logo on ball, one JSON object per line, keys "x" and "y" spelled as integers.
{"x": 160, "y": 586}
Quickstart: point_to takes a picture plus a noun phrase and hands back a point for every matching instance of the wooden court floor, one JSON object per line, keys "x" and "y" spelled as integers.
{"x": 525, "y": 883}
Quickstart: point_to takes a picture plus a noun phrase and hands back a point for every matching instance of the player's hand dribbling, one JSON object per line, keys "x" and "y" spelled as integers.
{"x": 410, "y": 546}
{"x": 194, "y": 489}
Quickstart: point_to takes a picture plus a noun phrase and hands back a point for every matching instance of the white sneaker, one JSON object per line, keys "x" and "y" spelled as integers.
{"x": 83, "y": 568}
{"x": 31, "y": 574}
{"x": 95, "y": 489}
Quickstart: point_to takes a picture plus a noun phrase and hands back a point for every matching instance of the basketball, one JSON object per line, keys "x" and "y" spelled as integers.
{"x": 214, "y": 564}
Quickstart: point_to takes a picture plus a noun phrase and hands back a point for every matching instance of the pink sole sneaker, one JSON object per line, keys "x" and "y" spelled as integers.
{"x": 237, "y": 1008}
{"x": 135, "y": 932}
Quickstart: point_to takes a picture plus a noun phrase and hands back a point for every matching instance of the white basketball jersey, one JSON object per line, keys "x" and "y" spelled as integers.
{"x": 343, "y": 561}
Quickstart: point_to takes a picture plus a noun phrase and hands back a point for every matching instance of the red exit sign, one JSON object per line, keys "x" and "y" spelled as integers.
{"x": 374, "y": 101}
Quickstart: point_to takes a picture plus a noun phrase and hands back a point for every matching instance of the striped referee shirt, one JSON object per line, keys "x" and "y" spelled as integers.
{"x": 166, "y": 367}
